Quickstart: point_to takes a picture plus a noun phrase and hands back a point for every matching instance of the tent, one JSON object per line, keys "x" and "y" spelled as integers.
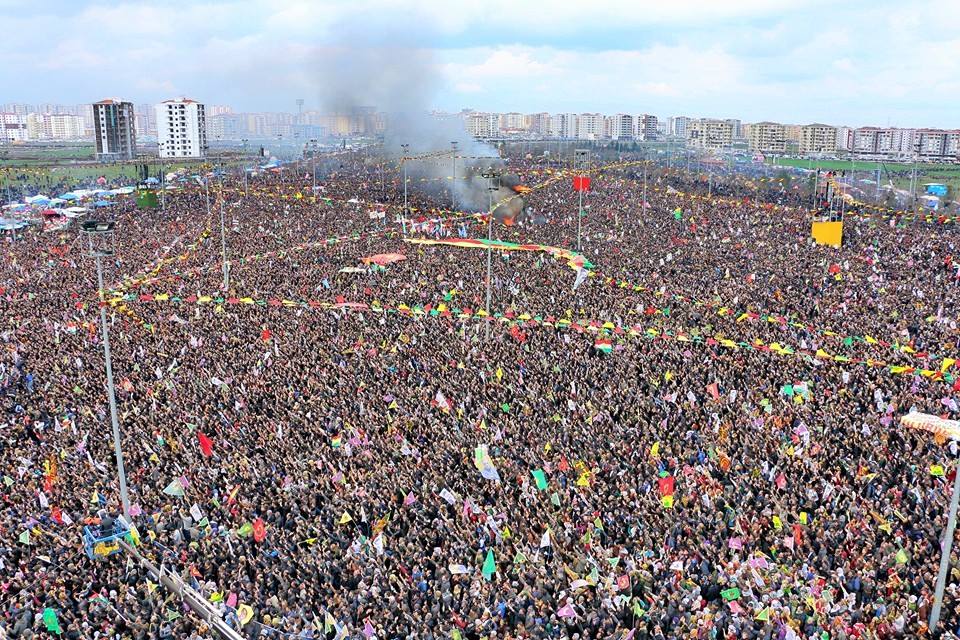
{"x": 69, "y": 195}
{"x": 103, "y": 203}
{"x": 51, "y": 213}
{"x": 7, "y": 224}
{"x": 37, "y": 199}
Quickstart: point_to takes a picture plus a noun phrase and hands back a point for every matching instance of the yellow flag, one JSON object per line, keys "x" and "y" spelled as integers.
{"x": 668, "y": 376}
{"x": 946, "y": 364}
{"x": 499, "y": 374}
{"x": 777, "y": 523}
{"x": 345, "y": 518}
{"x": 506, "y": 533}
{"x": 803, "y": 517}
{"x": 394, "y": 405}
{"x": 655, "y": 449}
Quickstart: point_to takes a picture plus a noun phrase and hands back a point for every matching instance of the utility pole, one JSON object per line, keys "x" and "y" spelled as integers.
{"x": 453, "y": 185}
{"x": 313, "y": 170}
{"x": 100, "y": 244}
{"x": 643, "y": 204}
{"x": 163, "y": 179}
{"x": 580, "y": 158}
{"x": 244, "y": 166}
{"x": 223, "y": 242}
{"x": 403, "y": 216}
{"x": 493, "y": 184}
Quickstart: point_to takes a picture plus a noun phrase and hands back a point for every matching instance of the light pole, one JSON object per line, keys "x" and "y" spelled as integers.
{"x": 453, "y": 185}
{"x": 313, "y": 168}
{"x": 223, "y": 246}
{"x": 100, "y": 244}
{"x": 163, "y": 179}
{"x": 947, "y": 429}
{"x": 581, "y": 157}
{"x": 403, "y": 216}
{"x": 493, "y": 185}
{"x": 243, "y": 165}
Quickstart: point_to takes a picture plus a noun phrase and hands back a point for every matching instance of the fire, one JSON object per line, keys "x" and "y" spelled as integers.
{"x": 522, "y": 188}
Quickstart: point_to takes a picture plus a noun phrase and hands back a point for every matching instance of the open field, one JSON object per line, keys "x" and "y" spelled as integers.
{"x": 899, "y": 173}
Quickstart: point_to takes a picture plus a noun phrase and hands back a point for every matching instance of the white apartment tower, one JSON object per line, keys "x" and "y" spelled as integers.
{"x": 589, "y": 126}
{"x": 181, "y": 129}
{"x": 619, "y": 127}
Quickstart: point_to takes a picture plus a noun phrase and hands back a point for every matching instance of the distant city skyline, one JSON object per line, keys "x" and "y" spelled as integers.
{"x": 797, "y": 61}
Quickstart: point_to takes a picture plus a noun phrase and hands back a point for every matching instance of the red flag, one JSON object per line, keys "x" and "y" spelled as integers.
{"x": 265, "y": 335}
{"x": 666, "y": 485}
{"x": 581, "y": 183}
{"x": 206, "y": 444}
{"x": 714, "y": 390}
{"x": 57, "y": 515}
{"x": 259, "y": 530}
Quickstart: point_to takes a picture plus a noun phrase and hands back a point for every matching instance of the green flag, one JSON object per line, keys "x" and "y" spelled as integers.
{"x": 25, "y": 537}
{"x": 51, "y": 622}
{"x": 505, "y": 407}
{"x": 677, "y": 214}
{"x": 902, "y": 557}
{"x": 489, "y": 566}
{"x": 519, "y": 558}
{"x": 245, "y": 530}
{"x": 540, "y": 479}
{"x": 7, "y": 480}
{"x": 730, "y": 594}
{"x": 555, "y": 499}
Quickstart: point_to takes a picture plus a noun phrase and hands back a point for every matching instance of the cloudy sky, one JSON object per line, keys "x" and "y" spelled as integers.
{"x": 837, "y": 61}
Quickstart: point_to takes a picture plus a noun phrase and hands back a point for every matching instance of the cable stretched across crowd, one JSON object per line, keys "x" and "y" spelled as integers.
{"x": 605, "y": 466}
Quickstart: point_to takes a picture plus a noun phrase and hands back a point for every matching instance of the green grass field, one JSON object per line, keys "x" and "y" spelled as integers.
{"x": 899, "y": 173}
{"x": 862, "y": 165}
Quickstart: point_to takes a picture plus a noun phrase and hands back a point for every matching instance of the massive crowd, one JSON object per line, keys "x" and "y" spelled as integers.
{"x": 330, "y": 453}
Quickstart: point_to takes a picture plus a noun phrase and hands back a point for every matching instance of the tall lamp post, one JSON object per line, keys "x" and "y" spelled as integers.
{"x": 403, "y": 216}
{"x": 493, "y": 178}
{"x": 453, "y": 185}
{"x": 580, "y": 159}
{"x": 313, "y": 167}
{"x": 947, "y": 429}
{"x": 243, "y": 165}
{"x": 100, "y": 244}
{"x": 163, "y": 178}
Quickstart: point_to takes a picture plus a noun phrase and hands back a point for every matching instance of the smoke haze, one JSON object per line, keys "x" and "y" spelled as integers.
{"x": 401, "y": 80}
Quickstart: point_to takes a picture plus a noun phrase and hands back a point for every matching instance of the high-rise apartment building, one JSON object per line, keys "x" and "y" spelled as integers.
{"x": 677, "y": 126}
{"x": 589, "y": 126}
{"x": 54, "y": 126}
{"x": 710, "y": 133}
{"x": 767, "y": 137}
{"x": 114, "y": 130}
{"x": 620, "y": 127}
{"x": 483, "y": 125}
{"x": 13, "y": 127}
{"x": 818, "y": 139}
{"x": 540, "y": 123}
{"x": 512, "y": 122}
{"x": 647, "y": 127}
{"x": 181, "y": 129}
